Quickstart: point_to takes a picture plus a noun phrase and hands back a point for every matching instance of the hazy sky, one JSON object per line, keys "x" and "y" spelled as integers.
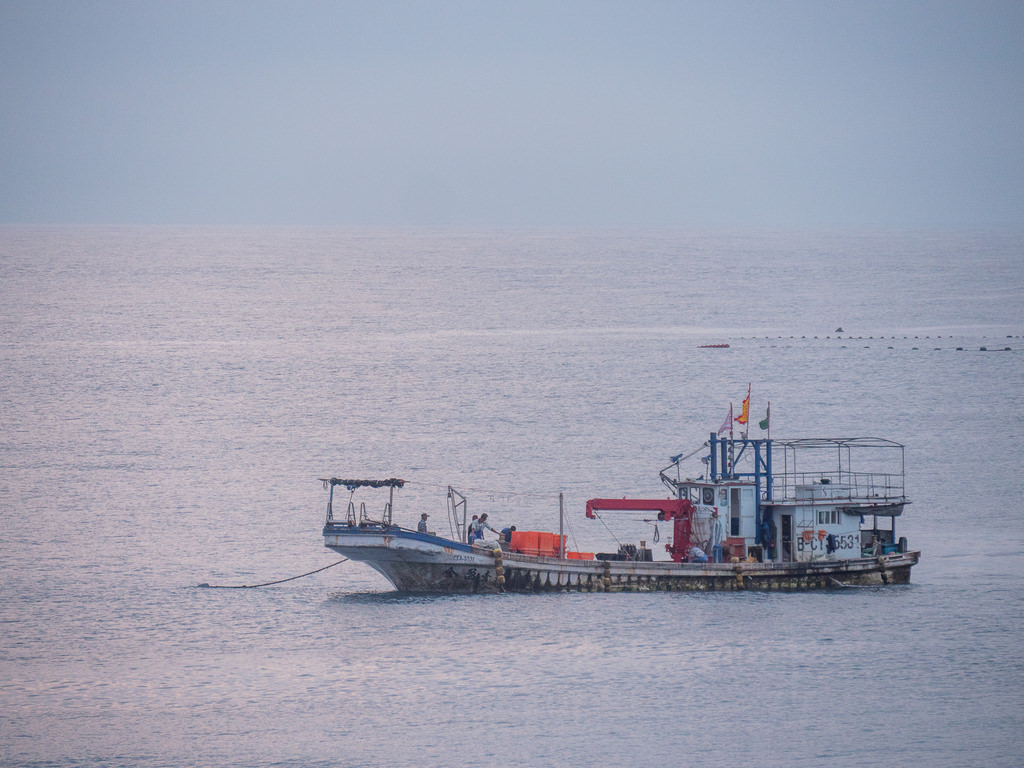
{"x": 503, "y": 114}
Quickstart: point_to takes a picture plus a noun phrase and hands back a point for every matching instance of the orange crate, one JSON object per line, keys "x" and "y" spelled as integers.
{"x": 545, "y": 542}
{"x": 553, "y": 542}
{"x": 524, "y": 542}
{"x": 579, "y": 555}
{"x": 535, "y": 543}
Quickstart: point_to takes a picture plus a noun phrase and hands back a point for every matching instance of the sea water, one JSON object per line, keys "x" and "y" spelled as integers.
{"x": 170, "y": 398}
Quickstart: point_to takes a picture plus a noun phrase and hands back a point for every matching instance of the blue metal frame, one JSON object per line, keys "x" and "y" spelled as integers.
{"x": 762, "y": 469}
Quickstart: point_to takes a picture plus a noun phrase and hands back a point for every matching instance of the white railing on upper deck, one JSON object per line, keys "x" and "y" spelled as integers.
{"x": 858, "y": 486}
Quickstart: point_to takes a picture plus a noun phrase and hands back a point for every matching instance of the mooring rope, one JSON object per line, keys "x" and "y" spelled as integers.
{"x": 269, "y": 583}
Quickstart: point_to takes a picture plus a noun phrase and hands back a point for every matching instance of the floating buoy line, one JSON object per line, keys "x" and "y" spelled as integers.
{"x": 269, "y": 583}
{"x": 847, "y": 338}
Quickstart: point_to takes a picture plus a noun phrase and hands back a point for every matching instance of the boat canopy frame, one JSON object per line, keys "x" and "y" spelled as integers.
{"x": 352, "y": 485}
{"x": 884, "y": 483}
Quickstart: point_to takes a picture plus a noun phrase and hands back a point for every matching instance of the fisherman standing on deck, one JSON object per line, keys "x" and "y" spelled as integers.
{"x": 471, "y": 531}
{"x": 422, "y": 526}
{"x": 478, "y": 528}
{"x": 717, "y": 534}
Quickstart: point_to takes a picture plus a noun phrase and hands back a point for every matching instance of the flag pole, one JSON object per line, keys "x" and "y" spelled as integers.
{"x": 729, "y": 474}
{"x": 750, "y": 410}
{"x": 766, "y": 422}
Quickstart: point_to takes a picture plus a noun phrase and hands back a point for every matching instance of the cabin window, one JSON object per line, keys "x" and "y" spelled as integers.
{"x": 709, "y": 496}
{"x": 828, "y": 517}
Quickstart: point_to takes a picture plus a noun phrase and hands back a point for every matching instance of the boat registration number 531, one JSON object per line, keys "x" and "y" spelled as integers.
{"x": 843, "y": 541}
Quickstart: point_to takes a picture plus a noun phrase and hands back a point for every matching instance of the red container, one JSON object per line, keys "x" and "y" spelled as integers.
{"x": 736, "y": 548}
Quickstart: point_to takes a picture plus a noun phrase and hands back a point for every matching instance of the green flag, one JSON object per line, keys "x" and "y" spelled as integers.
{"x": 763, "y": 424}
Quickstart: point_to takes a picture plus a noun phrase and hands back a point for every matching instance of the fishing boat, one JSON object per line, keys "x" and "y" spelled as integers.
{"x": 759, "y": 514}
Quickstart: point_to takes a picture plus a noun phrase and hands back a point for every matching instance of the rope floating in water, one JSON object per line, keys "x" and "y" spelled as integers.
{"x": 269, "y": 583}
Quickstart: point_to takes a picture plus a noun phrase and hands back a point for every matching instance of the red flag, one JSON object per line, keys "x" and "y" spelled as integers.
{"x": 744, "y": 416}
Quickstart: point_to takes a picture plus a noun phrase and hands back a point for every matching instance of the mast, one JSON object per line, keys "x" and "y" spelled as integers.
{"x": 561, "y": 527}
{"x": 727, "y": 471}
{"x": 750, "y": 410}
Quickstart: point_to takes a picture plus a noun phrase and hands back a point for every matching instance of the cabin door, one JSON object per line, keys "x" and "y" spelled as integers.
{"x": 787, "y": 538}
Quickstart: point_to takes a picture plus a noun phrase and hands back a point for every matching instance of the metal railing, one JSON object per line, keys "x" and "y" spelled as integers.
{"x": 844, "y": 485}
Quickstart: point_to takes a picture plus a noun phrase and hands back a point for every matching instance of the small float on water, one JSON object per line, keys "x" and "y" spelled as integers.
{"x": 762, "y": 514}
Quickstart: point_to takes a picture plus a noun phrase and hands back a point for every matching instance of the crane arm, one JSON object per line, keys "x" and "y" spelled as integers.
{"x": 671, "y": 507}
{"x": 680, "y": 511}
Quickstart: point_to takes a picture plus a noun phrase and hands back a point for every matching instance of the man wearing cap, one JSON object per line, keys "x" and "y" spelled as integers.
{"x": 422, "y": 527}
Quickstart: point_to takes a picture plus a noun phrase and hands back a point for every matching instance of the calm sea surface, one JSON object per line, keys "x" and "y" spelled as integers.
{"x": 169, "y": 398}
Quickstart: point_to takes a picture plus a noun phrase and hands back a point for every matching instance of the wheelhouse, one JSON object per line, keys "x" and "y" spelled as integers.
{"x": 798, "y": 500}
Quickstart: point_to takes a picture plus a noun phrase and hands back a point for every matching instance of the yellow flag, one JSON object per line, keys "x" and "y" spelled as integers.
{"x": 744, "y": 416}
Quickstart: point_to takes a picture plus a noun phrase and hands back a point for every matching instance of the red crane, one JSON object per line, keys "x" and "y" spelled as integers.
{"x": 679, "y": 511}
